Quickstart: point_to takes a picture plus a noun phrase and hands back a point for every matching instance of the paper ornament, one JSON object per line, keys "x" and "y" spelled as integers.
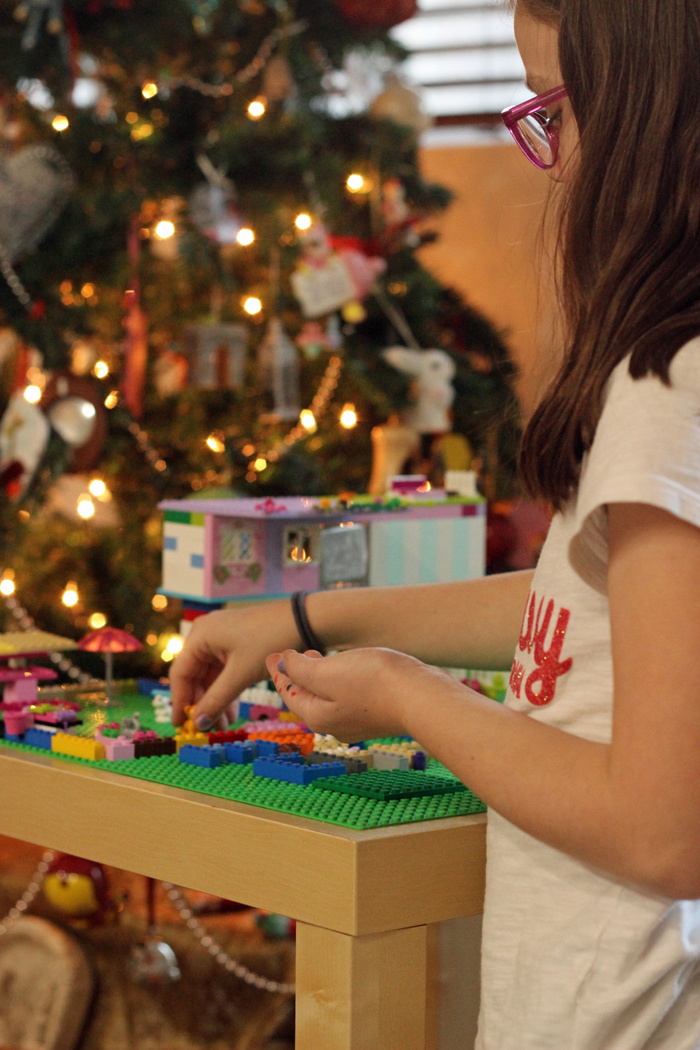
{"x": 216, "y": 355}
{"x": 277, "y": 80}
{"x": 432, "y": 372}
{"x": 326, "y": 279}
{"x": 24, "y": 435}
{"x": 278, "y": 367}
{"x": 378, "y": 14}
{"x": 35, "y": 184}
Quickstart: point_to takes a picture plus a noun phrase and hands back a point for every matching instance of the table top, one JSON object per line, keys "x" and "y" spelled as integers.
{"x": 354, "y": 882}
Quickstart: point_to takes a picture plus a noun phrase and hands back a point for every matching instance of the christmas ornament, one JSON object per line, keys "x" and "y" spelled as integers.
{"x": 278, "y": 367}
{"x": 24, "y": 435}
{"x": 398, "y": 103}
{"x": 170, "y": 373}
{"x": 216, "y": 355}
{"x": 392, "y": 446}
{"x": 378, "y": 14}
{"x": 75, "y": 408}
{"x": 35, "y": 184}
{"x": 277, "y": 80}
{"x": 432, "y": 372}
{"x": 316, "y": 337}
{"x": 136, "y": 327}
{"x": 400, "y": 219}
{"x": 36, "y": 13}
{"x": 212, "y": 205}
{"x": 326, "y": 279}
{"x": 153, "y": 961}
{"x": 78, "y": 888}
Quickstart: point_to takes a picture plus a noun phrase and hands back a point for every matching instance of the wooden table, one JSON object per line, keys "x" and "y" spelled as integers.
{"x": 365, "y": 901}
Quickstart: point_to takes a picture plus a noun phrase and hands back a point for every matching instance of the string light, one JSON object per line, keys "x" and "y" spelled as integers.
{"x": 131, "y": 117}
{"x": 88, "y": 290}
{"x": 101, "y": 369}
{"x": 32, "y": 394}
{"x": 260, "y": 464}
{"x": 70, "y": 594}
{"x": 308, "y": 420}
{"x": 151, "y": 638}
{"x": 215, "y": 443}
{"x": 98, "y": 488}
{"x": 245, "y": 236}
{"x": 164, "y": 229}
{"x": 348, "y": 417}
{"x": 303, "y": 221}
{"x": 86, "y": 508}
{"x": 112, "y": 399}
{"x": 97, "y": 620}
{"x": 355, "y": 183}
{"x": 149, "y": 89}
{"x": 167, "y": 656}
{"x": 175, "y": 644}
{"x": 7, "y": 584}
{"x": 59, "y": 122}
{"x": 252, "y": 305}
{"x": 257, "y": 108}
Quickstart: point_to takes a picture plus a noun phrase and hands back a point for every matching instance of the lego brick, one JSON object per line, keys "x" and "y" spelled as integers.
{"x": 292, "y": 769}
{"x": 229, "y": 736}
{"x": 195, "y": 740}
{"x": 388, "y": 760}
{"x": 208, "y": 756}
{"x": 36, "y": 737}
{"x": 352, "y": 765}
{"x": 242, "y": 753}
{"x": 78, "y": 747}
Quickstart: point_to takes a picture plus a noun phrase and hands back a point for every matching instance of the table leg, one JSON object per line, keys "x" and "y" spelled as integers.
{"x": 361, "y": 993}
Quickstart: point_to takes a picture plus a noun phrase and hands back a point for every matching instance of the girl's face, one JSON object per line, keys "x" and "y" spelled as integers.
{"x": 538, "y": 46}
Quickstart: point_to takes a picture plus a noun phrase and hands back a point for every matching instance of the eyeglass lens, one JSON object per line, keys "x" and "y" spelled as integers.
{"x": 537, "y": 138}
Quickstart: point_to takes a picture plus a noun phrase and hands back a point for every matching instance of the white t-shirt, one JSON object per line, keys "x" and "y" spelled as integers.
{"x": 574, "y": 959}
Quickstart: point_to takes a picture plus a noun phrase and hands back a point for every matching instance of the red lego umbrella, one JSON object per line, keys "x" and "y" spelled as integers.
{"x": 109, "y": 640}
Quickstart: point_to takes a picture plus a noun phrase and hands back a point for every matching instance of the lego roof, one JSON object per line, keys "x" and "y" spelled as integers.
{"x": 304, "y": 506}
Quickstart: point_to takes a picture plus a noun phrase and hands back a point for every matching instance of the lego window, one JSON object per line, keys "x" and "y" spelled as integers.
{"x": 236, "y": 545}
{"x": 300, "y": 546}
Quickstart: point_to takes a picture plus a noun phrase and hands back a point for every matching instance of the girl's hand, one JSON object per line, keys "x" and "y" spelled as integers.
{"x": 355, "y": 695}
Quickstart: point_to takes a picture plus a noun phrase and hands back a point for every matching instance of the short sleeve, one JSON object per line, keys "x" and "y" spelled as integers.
{"x": 646, "y": 450}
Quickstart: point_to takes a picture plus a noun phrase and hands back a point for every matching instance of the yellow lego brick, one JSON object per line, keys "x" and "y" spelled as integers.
{"x": 78, "y": 747}
{"x": 195, "y": 739}
{"x": 289, "y": 716}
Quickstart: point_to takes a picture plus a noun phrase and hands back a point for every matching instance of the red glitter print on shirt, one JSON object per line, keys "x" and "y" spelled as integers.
{"x": 541, "y": 683}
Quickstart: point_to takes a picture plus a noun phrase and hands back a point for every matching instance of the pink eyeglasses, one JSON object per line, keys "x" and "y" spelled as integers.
{"x": 533, "y": 130}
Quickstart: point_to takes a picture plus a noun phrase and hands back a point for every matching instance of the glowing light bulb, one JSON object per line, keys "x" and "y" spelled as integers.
{"x": 303, "y": 221}
{"x": 86, "y": 508}
{"x": 32, "y": 394}
{"x": 252, "y": 305}
{"x": 112, "y": 399}
{"x": 175, "y": 644}
{"x": 70, "y": 595}
{"x": 97, "y": 620}
{"x": 308, "y": 420}
{"x": 348, "y": 417}
{"x": 159, "y": 602}
{"x": 164, "y": 229}
{"x": 97, "y": 487}
{"x": 131, "y": 117}
{"x": 149, "y": 89}
{"x": 245, "y": 236}
{"x": 167, "y": 656}
{"x": 215, "y": 443}
{"x": 151, "y": 638}
{"x": 59, "y": 122}
{"x": 101, "y": 369}
{"x": 355, "y": 183}
{"x": 7, "y": 584}
{"x": 260, "y": 464}
{"x": 257, "y": 108}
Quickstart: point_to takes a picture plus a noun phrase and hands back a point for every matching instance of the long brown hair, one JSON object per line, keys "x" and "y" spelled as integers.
{"x": 630, "y": 233}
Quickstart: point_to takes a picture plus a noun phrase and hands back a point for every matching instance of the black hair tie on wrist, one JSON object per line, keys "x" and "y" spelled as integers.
{"x": 301, "y": 619}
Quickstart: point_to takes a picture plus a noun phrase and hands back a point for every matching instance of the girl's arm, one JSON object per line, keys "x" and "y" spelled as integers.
{"x": 474, "y": 623}
{"x": 632, "y": 808}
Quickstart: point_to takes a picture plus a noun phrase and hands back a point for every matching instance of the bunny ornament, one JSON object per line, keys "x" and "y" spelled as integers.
{"x": 432, "y": 372}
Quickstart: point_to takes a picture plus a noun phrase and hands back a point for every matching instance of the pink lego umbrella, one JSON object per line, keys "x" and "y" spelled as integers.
{"x": 109, "y": 640}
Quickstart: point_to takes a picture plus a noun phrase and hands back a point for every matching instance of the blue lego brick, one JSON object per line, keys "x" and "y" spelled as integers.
{"x": 241, "y": 754}
{"x": 244, "y": 709}
{"x": 38, "y": 738}
{"x": 209, "y": 756}
{"x": 267, "y": 748}
{"x": 14, "y": 738}
{"x": 292, "y": 770}
{"x": 149, "y": 686}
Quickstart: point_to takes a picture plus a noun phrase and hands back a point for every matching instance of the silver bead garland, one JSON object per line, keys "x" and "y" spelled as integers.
{"x": 214, "y": 949}
{"x": 27, "y": 898}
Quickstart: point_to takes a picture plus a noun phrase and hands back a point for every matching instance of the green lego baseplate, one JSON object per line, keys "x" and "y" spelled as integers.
{"x": 357, "y": 803}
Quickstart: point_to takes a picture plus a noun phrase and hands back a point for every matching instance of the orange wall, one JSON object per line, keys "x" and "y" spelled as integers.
{"x": 488, "y": 246}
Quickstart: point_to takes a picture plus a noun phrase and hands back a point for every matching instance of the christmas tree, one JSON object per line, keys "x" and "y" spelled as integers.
{"x": 207, "y": 242}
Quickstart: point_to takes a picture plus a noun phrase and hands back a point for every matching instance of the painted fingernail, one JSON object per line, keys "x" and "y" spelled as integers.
{"x": 282, "y": 667}
{"x": 204, "y": 722}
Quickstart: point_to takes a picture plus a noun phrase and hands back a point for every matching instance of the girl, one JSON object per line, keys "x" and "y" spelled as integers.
{"x": 592, "y": 769}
